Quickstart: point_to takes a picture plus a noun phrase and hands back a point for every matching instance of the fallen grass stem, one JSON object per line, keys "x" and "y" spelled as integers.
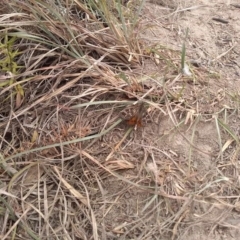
{"x": 65, "y": 143}
{"x": 18, "y": 221}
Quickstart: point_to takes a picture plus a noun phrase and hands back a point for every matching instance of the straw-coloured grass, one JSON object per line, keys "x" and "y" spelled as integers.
{"x": 92, "y": 145}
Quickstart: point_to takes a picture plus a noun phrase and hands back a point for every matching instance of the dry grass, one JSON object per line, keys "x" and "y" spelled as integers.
{"x": 71, "y": 166}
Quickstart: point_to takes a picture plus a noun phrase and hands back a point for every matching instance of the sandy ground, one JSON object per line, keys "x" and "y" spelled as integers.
{"x": 213, "y": 43}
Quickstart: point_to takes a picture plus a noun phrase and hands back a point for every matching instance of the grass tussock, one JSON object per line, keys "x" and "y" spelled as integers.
{"x": 83, "y": 151}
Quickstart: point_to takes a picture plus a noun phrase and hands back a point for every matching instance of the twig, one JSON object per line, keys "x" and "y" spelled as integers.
{"x": 223, "y": 54}
{"x": 235, "y": 5}
{"x": 220, "y": 20}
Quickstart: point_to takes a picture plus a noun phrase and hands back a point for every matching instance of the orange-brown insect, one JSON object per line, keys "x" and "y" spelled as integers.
{"x": 136, "y": 120}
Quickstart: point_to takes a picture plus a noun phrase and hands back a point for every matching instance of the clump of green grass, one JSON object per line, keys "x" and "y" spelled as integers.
{"x": 9, "y": 66}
